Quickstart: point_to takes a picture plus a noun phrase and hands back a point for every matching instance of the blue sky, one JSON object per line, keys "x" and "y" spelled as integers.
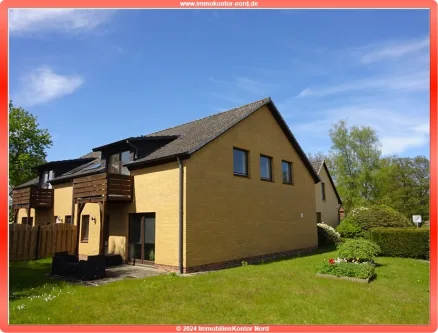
{"x": 93, "y": 77}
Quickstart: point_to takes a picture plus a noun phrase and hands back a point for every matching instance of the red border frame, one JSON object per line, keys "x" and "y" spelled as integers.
{"x": 5, "y": 5}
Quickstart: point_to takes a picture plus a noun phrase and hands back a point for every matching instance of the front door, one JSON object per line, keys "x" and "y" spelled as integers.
{"x": 142, "y": 238}
{"x": 106, "y": 233}
{"x": 318, "y": 217}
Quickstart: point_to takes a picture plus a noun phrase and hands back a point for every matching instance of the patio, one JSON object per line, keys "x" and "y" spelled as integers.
{"x": 113, "y": 274}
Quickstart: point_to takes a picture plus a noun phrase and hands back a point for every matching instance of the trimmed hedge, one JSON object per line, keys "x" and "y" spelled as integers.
{"x": 402, "y": 242}
{"x": 361, "y": 219}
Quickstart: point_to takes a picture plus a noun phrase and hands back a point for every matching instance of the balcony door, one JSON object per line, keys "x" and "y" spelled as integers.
{"x": 142, "y": 238}
{"x": 116, "y": 161}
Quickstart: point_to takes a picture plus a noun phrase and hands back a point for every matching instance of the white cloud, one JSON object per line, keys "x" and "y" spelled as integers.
{"x": 408, "y": 83}
{"x": 399, "y": 125}
{"x": 23, "y": 21}
{"x": 393, "y": 50}
{"x": 246, "y": 84}
{"x": 398, "y": 144}
{"x": 43, "y": 85}
{"x": 423, "y": 129}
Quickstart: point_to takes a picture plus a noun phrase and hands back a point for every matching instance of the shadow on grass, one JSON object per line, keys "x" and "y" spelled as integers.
{"x": 319, "y": 250}
{"x": 26, "y": 277}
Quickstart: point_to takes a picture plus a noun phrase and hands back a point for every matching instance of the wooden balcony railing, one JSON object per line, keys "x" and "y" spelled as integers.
{"x": 33, "y": 196}
{"x": 105, "y": 186}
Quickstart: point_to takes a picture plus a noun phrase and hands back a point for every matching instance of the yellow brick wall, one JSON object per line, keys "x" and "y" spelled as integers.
{"x": 22, "y": 212}
{"x": 62, "y": 206}
{"x": 62, "y": 200}
{"x": 155, "y": 191}
{"x": 329, "y": 208}
{"x": 231, "y": 217}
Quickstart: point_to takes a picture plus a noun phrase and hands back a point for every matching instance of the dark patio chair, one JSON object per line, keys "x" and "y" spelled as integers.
{"x": 64, "y": 263}
{"x": 91, "y": 269}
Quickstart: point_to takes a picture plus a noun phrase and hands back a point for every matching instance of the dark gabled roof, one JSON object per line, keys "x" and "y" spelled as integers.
{"x": 90, "y": 157}
{"x": 194, "y": 135}
{"x": 190, "y": 137}
{"x": 54, "y": 163}
{"x": 317, "y": 165}
{"x": 29, "y": 183}
{"x": 136, "y": 139}
{"x": 95, "y": 166}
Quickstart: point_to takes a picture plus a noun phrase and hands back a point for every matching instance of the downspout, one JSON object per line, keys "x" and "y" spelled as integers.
{"x": 181, "y": 213}
{"x": 134, "y": 147}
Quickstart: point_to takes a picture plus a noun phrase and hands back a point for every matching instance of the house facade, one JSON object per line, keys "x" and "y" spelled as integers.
{"x": 328, "y": 201}
{"x": 203, "y": 195}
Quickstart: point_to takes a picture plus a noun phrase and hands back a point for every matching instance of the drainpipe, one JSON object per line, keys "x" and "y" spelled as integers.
{"x": 181, "y": 212}
{"x": 134, "y": 147}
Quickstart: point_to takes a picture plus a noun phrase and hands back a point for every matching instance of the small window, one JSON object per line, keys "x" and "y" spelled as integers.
{"x": 45, "y": 178}
{"x": 68, "y": 219}
{"x": 240, "y": 162}
{"x": 286, "y": 168}
{"x": 323, "y": 191}
{"x": 28, "y": 221}
{"x": 318, "y": 217}
{"x": 85, "y": 226}
{"x": 265, "y": 167}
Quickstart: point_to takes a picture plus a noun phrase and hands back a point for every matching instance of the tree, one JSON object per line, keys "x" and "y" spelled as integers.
{"x": 354, "y": 159}
{"x": 403, "y": 184}
{"x": 27, "y": 145}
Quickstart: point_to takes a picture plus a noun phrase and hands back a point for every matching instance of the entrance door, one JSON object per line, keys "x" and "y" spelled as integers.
{"x": 142, "y": 238}
{"x": 318, "y": 217}
{"x": 106, "y": 233}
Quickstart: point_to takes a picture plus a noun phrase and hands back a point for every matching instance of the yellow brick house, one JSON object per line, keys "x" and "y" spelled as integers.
{"x": 235, "y": 186}
{"x": 328, "y": 202}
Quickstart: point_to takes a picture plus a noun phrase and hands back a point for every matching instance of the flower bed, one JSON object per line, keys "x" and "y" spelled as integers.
{"x": 355, "y": 262}
{"x": 352, "y": 269}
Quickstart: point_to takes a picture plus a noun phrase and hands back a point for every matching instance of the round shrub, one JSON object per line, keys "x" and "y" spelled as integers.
{"x": 327, "y": 235}
{"x": 358, "y": 250}
{"x": 373, "y": 216}
{"x": 348, "y": 229}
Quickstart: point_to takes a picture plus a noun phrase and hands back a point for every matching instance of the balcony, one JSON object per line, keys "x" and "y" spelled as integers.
{"x": 32, "y": 196}
{"x": 103, "y": 187}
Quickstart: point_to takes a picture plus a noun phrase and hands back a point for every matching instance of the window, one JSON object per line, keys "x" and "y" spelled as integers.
{"x": 318, "y": 217}
{"x": 323, "y": 191}
{"x": 68, "y": 219}
{"x": 286, "y": 168}
{"x": 45, "y": 177}
{"x": 28, "y": 221}
{"x": 240, "y": 162}
{"x": 116, "y": 162}
{"x": 85, "y": 226}
{"x": 265, "y": 167}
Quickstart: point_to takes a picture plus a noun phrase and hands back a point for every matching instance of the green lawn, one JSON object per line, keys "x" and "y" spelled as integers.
{"x": 283, "y": 292}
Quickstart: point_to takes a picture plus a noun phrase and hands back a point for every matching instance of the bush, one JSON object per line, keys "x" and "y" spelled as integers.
{"x": 358, "y": 249}
{"x": 348, "y": 229}
{"x": 362, "y": 219}
{"x": 355, "y": 270}
{"x": 402, "y": 242}
{"x": 327, "y": 235}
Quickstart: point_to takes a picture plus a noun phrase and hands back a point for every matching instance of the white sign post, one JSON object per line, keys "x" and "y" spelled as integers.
{"x": 416, "y": 219}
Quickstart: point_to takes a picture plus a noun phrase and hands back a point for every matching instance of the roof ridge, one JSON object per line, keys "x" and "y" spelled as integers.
{"x": 266, "y": 99}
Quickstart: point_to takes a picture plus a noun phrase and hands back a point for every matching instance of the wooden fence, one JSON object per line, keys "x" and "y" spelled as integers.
{"x": 31, "y": 243}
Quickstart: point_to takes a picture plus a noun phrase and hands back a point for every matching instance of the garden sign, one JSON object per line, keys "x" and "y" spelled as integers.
{"x": 416, "y": 219}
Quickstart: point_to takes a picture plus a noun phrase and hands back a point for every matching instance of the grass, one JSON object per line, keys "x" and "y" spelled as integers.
{"x": 283, "y": 292}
